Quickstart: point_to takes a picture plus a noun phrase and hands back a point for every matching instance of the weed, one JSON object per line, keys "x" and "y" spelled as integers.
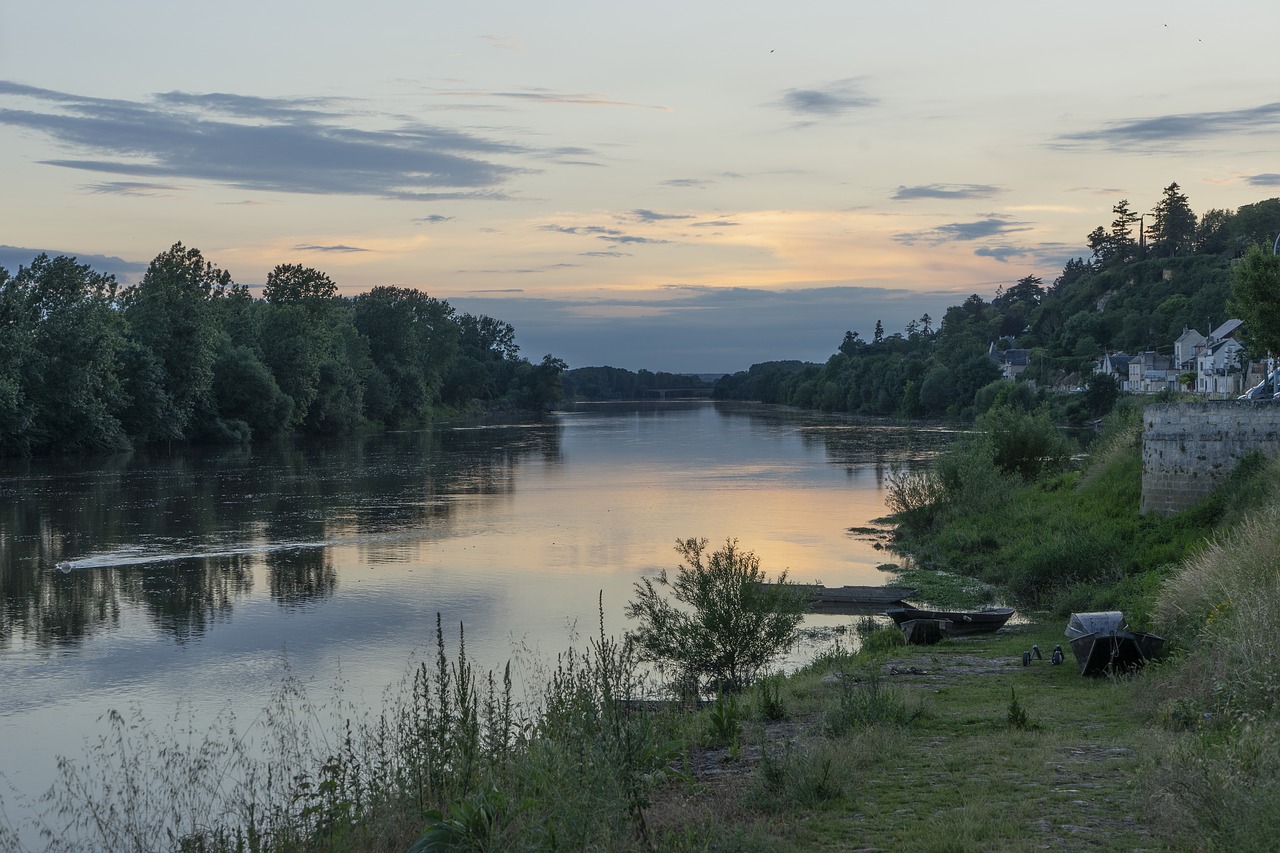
{"x": 769, "y": 703}
{"x": 1017, "y": 716}
{"x": 726, "y": 721}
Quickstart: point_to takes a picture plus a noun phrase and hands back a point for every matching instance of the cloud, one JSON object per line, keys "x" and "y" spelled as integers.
{"x": 714, "y": 223}
{"x": 1172, "y": 129}
{"x": 993, "y": 225}
{"x": 652, "y": 216}
{"x": 606, "y": 254}
{"x": 833, "y": 99}
{"x": 338, "y": 249}
{"x": 705, "y": 329}
{"x": 1000, "y": 253}
{"x": 609, "y": 235}
{"x": 12, "y": 257}
{"x": 629, "y": 239}
{"x": 136, "y": 189}
{"x": 695, "y": 183}
{"x": 308, "y": 145}
{"x": 946, "y": 191}
{"x": 434, "y": 218}
{"x": 538, "y": 95}
{"x": 1267, "y": 179}
{"x": 580, "y": 229}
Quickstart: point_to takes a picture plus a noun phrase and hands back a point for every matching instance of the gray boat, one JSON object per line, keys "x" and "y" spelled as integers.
{"x": 1103, "y": 644}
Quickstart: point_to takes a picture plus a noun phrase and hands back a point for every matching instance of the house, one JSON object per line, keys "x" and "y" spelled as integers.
{"x": 1184, "y": 350}
{"x": 1116, "y": 366}
{"x": 1151, "y": 373}
{"x": 1220, "y": 362}
{"x": 1012, "y": 362}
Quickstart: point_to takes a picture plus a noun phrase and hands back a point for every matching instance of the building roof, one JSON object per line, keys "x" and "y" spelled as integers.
{"x": 1226, "y": 330}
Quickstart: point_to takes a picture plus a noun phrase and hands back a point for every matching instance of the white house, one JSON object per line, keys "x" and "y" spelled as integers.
{"x": 1218, "y": 362}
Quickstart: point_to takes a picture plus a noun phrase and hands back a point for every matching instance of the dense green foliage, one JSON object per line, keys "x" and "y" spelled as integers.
{"x": 1064, "y": 541}
{"x": 186, "y": 354}
{"x": 1136, "y": 293}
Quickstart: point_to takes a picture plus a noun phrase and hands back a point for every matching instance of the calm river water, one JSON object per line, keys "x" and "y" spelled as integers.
{"x": 190, "y": 582}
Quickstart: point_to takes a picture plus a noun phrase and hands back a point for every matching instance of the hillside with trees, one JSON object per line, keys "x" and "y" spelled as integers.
{"x": 187, "y": 354}
{"x": 1149, "y": 277}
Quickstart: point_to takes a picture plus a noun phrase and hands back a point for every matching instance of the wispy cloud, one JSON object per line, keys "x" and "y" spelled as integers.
{"x": 693, "y": 183}
{"x": 1000, "y": 253}
{"x": 828, "y": 100}
{"x": 714, "y": 223}
{"x": 302, "y": 145}
{"x": 646, "y": 215}
{"x": 1267, "y": 179}
{"x": 338, "y": 249}
{"x": 993, "y": 225}
{"x": 946, "y": 191}
{"x": 1168, "y": 130}
{"x": 610, "y": 235}
{"x": 538, "y": 95}
{"x": 606, "y": 254}
{"x": 434, "y": 218}
{"x": 136, "y": 189}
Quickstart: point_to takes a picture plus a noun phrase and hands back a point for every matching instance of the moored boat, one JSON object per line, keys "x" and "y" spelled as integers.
{"x": 1103, "y": 644}
{"x": 962, "y": 621}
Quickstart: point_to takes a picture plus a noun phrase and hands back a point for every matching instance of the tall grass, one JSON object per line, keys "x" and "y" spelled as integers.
{"x": 1219, "y": 778}
{"x": 450, "y": 760}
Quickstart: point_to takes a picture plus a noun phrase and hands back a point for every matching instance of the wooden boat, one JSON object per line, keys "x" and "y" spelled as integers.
{"x": 925, "y": 632}
{"x": 852, "y": 599}
{"x": 1103, "y": 644}
{"x": 962, "y": 621}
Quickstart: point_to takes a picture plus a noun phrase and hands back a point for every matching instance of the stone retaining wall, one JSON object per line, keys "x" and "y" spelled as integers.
{"x": 1189, "y": 448}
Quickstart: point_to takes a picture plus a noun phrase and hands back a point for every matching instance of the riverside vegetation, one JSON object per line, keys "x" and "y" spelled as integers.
{"x": 951, "y": 748}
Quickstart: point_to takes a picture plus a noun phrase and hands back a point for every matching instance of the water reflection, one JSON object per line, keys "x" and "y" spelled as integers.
{"x": 179, "y": 536}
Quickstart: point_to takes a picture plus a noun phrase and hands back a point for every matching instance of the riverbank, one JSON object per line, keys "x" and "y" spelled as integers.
{"x": 951, "y": 747}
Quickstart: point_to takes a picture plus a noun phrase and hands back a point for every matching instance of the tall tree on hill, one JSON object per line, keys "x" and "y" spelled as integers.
{"x": 1174, "y": 230}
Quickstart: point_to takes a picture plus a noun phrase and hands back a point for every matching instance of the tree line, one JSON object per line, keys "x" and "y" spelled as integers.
{"x": 187, "y": 354}
{"x": 1149, "y": 277}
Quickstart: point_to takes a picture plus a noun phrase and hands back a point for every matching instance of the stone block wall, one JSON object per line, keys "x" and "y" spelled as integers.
{"x": 1188, "y": 449}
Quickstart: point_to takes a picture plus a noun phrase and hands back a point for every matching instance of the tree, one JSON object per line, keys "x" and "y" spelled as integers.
{"x": 65, "y": 314}
{"x": 1024, "y": 443}
{"x": 728, "y": 626}
{"x": 170, "y": 314}
{"x": 1174, "y": 230}
{"x": 1255, "y": 299}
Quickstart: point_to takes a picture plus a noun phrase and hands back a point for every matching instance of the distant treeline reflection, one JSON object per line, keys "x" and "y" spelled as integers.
{"x": 178, "y": 535}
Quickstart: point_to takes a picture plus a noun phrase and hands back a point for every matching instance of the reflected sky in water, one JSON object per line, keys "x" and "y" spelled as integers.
{"x": 199, "y": 578}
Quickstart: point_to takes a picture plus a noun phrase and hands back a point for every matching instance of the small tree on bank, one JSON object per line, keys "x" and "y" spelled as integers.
{"x": 727, "y": 625}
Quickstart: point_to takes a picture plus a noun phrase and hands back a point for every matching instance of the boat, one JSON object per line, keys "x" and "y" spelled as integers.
{"x": 839, "y": 599}
{"x": 1103, "y": 644}
{"x": 962, "y": 621}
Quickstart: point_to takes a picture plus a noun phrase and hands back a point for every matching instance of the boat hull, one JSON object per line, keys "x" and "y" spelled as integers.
{"x": 962, "y": 621}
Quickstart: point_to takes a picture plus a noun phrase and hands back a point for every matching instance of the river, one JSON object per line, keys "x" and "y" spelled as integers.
{"x": 186, "y": 582}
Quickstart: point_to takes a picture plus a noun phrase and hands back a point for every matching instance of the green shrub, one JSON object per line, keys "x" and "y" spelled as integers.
{"x": 728, "y": 624}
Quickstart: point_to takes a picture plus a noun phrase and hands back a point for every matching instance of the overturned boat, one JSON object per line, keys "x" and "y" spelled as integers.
{"x": 1103, "y": 644}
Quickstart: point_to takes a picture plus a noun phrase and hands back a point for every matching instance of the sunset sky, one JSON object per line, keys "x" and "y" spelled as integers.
{"x": 677, "y": 186}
